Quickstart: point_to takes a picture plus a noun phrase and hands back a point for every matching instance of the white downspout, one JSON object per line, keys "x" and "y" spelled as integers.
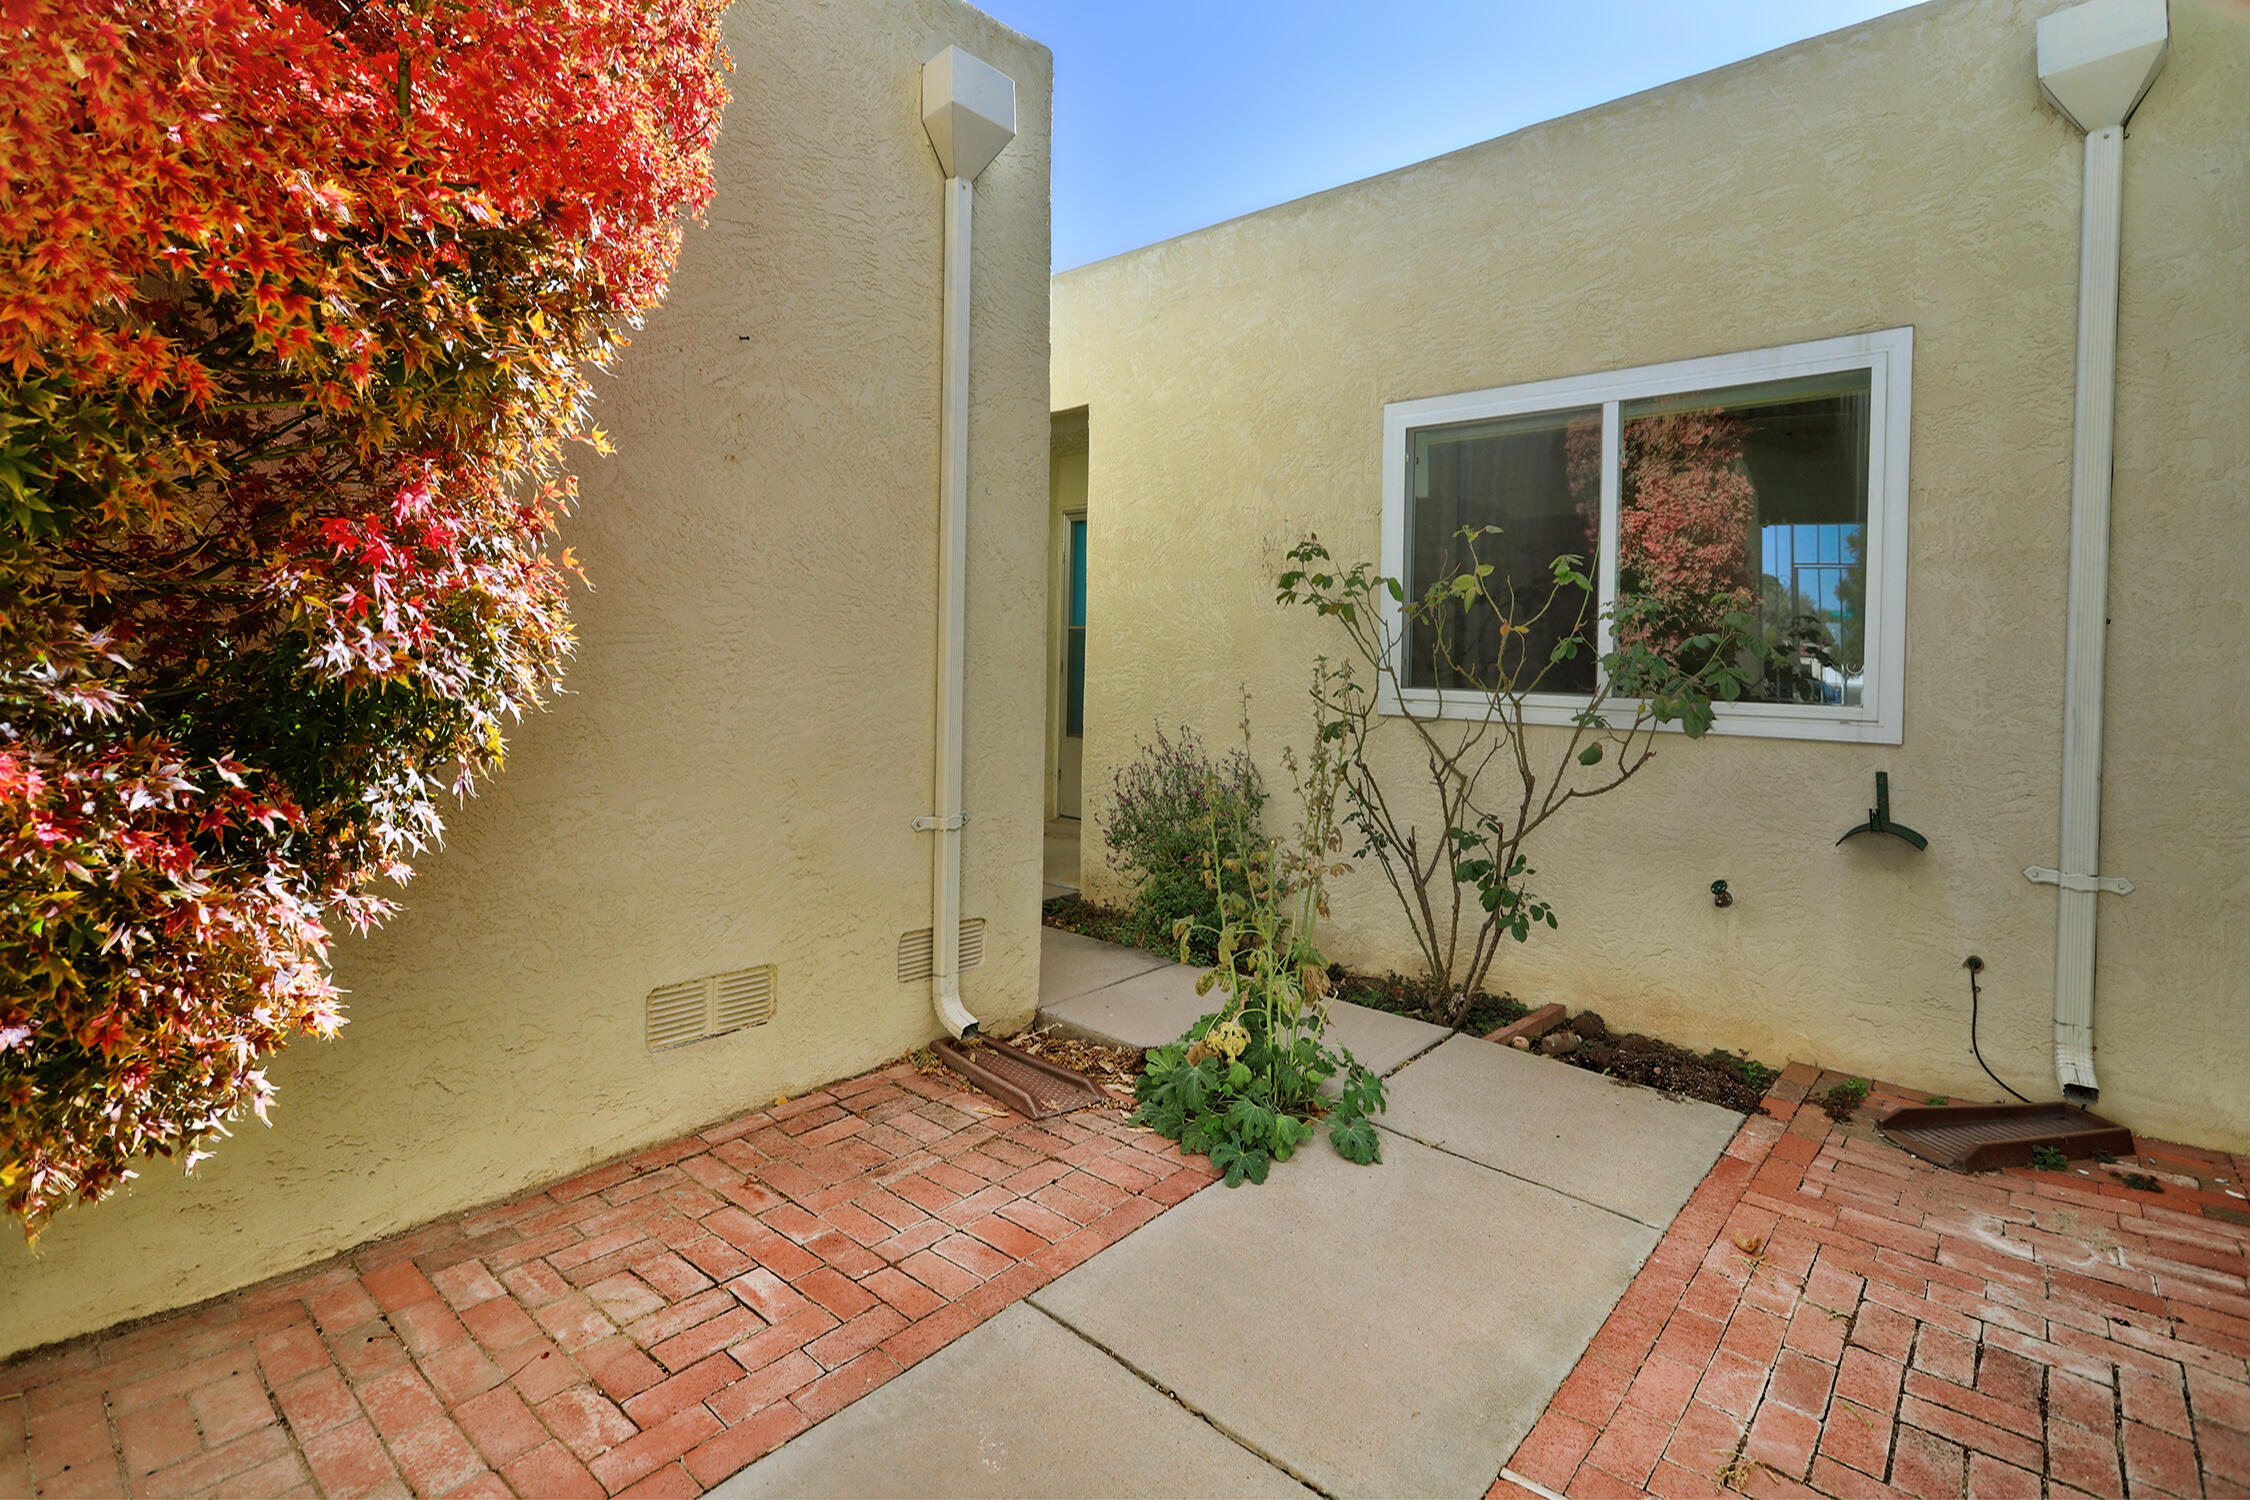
{"x": 969, "y": 109}
{"x": 2095, "y": 62}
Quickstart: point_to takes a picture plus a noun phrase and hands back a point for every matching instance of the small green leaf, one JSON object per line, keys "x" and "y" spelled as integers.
{"x": 1356, "y": 1142}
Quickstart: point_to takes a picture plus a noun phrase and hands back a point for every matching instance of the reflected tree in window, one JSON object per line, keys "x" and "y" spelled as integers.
{"x": 1754, "y": 499}
{"x": 1687, "y": 506}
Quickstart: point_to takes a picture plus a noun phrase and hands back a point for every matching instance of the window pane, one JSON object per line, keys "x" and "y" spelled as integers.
{"x": 1537, "y": 478}
{"x": 1755, "y": 497}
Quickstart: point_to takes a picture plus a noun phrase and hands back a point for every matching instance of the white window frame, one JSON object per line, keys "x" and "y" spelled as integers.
{"x": 1887, "y": 356}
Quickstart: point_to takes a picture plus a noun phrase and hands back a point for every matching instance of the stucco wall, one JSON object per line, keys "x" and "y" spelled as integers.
{"x": 1904, "y": 172}
{"x": 747, "y": 733}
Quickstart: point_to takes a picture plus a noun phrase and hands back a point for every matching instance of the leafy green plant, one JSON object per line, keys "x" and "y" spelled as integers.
{"x": 1843, "y": 1098}
{"x": 1937, "y": 1099}
{"x": 2049, "y": 1159}
{"x": 1753, "y": 1072}
{"x": 1244, "y": 1085}
{"x": 1456, "y": 856}
{"x": 1167, "y": 807}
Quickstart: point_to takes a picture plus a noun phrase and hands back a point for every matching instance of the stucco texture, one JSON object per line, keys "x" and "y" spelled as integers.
{"x": 1903, "y": 172}
{"x": 747, "y": 732}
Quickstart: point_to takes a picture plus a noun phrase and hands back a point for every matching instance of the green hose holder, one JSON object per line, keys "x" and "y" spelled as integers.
{"x": 1879, "y": 816}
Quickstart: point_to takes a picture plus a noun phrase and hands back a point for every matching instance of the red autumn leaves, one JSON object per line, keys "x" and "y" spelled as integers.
{"x": 298, "y": 308}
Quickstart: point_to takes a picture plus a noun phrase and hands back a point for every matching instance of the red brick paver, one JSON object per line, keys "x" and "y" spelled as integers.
{"x": 1829, "y": 1315}
{"x": 646, "y": 1328}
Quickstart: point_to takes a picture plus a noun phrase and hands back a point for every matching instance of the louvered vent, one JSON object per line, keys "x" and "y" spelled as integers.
{"x": 917, "y": 963}
{"x": 683, "y": 1013}
{"x": 741, "y": 999}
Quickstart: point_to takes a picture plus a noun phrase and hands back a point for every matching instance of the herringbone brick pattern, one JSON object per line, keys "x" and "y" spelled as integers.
{"x": 1832, "y": 1316}
{"x": 647, "y": 1328}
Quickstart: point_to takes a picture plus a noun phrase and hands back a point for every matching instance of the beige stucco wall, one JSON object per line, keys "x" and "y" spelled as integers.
{"x": 748, "y": 727}
{"x": 1905, "y": 172}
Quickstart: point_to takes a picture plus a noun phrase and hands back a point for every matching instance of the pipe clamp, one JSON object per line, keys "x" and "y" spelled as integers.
{"x": 947, "y": 824}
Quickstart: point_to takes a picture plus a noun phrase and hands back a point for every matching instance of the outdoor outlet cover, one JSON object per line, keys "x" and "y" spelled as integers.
{"x": 969, "y": 109}
{"x": 2096, "y": 60}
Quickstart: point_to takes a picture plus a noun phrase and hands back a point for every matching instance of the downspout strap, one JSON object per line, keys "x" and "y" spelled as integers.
{"x": 2116, "y": 885}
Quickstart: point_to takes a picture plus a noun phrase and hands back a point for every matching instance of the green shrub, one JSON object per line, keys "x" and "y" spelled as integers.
{"x": 1177, "y": 817}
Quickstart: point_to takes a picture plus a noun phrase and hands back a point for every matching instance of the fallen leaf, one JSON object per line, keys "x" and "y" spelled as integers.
{"x": 1750, "y": 1244}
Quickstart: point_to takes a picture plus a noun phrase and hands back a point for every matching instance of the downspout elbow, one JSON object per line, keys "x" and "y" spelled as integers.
{"x": 955, "y": 1016}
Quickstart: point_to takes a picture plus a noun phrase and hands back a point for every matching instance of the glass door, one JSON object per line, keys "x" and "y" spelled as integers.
{"x": 1071, "y": 756}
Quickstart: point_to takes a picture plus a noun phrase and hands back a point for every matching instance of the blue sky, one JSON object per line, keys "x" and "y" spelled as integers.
{"x": 1174, "y": 114}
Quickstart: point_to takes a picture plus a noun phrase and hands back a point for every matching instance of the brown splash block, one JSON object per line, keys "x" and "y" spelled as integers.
{"x": 1031, "y": 1086}
{"x": 1986, "y": 1137}
{"x": 1532, "y": 1027}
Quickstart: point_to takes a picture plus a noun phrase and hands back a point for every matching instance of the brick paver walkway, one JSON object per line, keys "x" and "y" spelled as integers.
{"x": 1830, "y": 1315}
{"x": 647, "y": 1328}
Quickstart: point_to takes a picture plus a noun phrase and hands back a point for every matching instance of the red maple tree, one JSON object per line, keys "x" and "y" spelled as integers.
{"x": 299, "y": 303}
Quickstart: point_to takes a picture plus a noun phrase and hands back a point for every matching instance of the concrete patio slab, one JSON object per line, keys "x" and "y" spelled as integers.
{"x": 1072, "y": 964}
{"x": 1149, "y": 1008}
{"x": 1020, "y": 1407}
{"x": 1152, "y": 1002}
{"x": 1629, "y": 1149}
{"x": 1386, "y": 1330}
{"x": 1379, "y": 1039}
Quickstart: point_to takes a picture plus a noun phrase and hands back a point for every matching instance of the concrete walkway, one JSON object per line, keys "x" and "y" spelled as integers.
{"x": 1059, "y": 859}
{"x": 1385, "y": 1330}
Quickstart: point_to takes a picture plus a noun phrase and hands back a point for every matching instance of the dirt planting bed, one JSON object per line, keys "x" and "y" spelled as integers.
{"x": 1402, "y": 996}
{"x": 1727, "y": 1079}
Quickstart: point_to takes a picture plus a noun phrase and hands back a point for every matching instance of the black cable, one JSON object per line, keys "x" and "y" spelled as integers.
{"x": 1975, "y": 966}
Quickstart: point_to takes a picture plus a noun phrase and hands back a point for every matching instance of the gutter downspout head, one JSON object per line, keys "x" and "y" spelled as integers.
{"x": 2096, "y": 61}
{"x": 969, "y": 109}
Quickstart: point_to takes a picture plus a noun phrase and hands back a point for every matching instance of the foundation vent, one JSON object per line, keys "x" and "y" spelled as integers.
{"x": 681, "y": 1013}
{"x": 916, "y": 961}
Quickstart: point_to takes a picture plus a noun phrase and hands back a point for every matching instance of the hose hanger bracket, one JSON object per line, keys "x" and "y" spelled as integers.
{"x": 1879, "y": 817}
